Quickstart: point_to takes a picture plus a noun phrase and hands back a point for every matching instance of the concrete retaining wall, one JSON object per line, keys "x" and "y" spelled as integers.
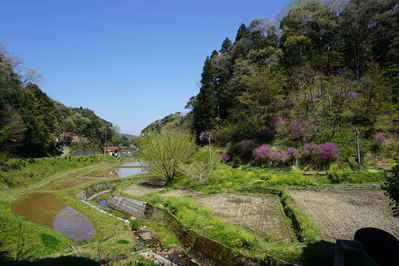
{"x": 129, "y": 206}
{"x": 97, "y": 189}
{"x": 202, "y": 249}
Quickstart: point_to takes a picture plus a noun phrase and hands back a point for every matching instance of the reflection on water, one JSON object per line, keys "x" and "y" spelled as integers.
{"x": 134, "y": 164}
{"x": 46, "y": 209}
{"x": 103, "y": 203}
{"x": 74, "y": 224}
{"x": 125, "y": 172}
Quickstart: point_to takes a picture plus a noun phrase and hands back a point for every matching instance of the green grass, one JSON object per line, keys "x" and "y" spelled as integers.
{"x": 31, "y": 171}
{"x": 164, "y": 235}
{"x": 193, "y": 217}
{"x": 105, "y": 225}
{"x": 22, "y": 236}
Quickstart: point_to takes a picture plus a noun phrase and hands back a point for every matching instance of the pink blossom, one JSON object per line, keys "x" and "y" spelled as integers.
{"x": 292, "y": 152}
{"x": 261, "y": 151}
{"x": 203, "y": 137}
{"x": 379, "y": 138}
{"x": 329, "y": 151}
{"x": 352, "y": 94}
{"x": 297, "y": 128}
{"x": 225, "y": 157}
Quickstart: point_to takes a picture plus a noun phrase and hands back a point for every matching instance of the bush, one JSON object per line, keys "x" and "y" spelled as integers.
{"x": 338, "y": 174}
{"x": 134, "y": 224}
{"x": 392, "y": 190}
{"x": 199, "y": 172}
{"x": 49, "y": 240}
{"x": 123, "y": 241}
{"x": 165, "y": 150}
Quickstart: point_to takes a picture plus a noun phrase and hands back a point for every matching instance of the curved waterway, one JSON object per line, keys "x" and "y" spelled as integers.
{"x": 44, "y": 208}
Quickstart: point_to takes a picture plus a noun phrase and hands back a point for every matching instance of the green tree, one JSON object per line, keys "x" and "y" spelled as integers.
{"x": 164, "y": 151}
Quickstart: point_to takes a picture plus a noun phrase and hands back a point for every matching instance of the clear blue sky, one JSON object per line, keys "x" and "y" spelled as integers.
{"x": 131, "y": 61}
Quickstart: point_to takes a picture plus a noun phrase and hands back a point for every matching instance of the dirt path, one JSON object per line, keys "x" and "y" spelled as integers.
{"x": 260, "y": 215}
{"x": 339, "y": 214}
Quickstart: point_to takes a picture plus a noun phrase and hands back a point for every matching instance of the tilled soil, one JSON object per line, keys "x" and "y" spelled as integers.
{"x": 340, "y": 214}
{"x": 180, "y": 193}
{"x": 260, "y": 215}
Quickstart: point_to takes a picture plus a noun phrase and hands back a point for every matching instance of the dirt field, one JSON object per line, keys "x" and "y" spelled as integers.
{"x": 140, "y": 190}
{"x": 339, "y": 214}
{"x": 257, "y": 214}
{"x": 180, "y": 193}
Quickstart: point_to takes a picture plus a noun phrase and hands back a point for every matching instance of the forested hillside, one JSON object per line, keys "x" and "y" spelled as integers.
{"x": 327, "y": 69}
{"x": 176, "y": 120}
{"x": 30, "y": 121}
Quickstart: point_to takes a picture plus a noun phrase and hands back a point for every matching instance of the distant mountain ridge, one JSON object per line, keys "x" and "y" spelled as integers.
{"x": 31, "y": 121}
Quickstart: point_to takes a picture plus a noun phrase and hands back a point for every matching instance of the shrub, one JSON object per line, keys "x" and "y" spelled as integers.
{"x": 134, "y": 224}
{"x": 49, "y": 240}
{"x": 225, "y": 157}
{"x": 338, "y": 174}
{"x": 392, "y": 190}
{"x": 379, "y": 138}
{"x": 199, "y": 172}
{"x": 165, "y": 150}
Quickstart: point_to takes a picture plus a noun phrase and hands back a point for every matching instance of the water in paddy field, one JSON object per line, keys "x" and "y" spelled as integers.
{"x": 46, "y": 209}
{"x": 134, "y": 164}
{"x": 125, "y": 172}
{"x": 103, "y": 203}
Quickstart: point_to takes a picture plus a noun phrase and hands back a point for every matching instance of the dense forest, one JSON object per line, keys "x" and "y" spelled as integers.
{"x": 328, "y": 69}
{"x": 30, "y": 121}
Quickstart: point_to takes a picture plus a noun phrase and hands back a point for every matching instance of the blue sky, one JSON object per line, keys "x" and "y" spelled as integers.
{"x": 131, "y": 61}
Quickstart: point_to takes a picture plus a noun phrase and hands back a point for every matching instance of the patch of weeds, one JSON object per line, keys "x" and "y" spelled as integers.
{"x": 89, "y": 240}
{"x": 193, "y": 217}
{"x": 134, "y": 224}
{"x": 49, "y": 240}
{"x": 122, "y": 242}
{"x": 306, "y": 231}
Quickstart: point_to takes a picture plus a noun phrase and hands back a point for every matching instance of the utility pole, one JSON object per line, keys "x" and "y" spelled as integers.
{"x": 358, "y": 147}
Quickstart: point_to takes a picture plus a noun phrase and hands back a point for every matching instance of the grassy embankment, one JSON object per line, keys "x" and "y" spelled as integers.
{"x": 23, "y": 239}
{"x": 306, "y": 248}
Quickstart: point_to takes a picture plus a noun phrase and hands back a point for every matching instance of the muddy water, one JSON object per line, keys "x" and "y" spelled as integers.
{"x": 46, "y": 209}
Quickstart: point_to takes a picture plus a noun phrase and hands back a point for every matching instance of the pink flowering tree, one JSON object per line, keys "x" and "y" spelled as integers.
{"x": 329, "y": 151}
{"x": 379, "y": 138}
{"x": 225, "y": 157}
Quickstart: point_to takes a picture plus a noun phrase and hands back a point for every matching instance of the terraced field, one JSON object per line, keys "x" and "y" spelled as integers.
{"x": 339, "y": 214}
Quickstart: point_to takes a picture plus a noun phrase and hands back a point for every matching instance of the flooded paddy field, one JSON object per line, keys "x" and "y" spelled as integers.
{"x": 45, "y": 209}
{"x": 340, "y": 214}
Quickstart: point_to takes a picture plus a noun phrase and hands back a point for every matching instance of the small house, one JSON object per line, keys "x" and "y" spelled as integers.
{"x": 110, "y": 150}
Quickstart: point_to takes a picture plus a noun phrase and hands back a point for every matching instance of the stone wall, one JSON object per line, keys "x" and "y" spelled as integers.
{"x": 333, "y": 188}
{"x": 97, "y": 189}
{"x": 203, "y": 250}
